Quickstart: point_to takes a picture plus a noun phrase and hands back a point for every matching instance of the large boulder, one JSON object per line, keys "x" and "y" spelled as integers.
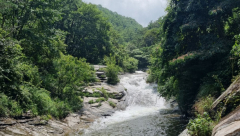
{"x": 229, "y": 125}
{"x": 228, "y": 104}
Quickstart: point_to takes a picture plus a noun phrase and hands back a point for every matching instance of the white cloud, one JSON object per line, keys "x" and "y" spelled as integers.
{"x": 143, "y": 11}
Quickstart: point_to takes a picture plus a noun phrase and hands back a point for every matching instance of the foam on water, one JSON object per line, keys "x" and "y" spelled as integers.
{"x": 142, "y": 100}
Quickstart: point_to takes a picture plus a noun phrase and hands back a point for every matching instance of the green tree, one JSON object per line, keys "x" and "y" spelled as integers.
{"x": 195, "y": 50}
{"x": 87, "y": 31}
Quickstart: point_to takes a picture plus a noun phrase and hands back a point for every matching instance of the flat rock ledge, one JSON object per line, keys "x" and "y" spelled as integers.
{"x": 74, "y": 123}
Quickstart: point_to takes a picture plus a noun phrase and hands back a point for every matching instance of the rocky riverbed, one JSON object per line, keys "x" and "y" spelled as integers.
{"x": 74, "y": 123}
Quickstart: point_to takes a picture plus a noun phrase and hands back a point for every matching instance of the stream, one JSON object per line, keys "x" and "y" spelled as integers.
{"x": 146, "y": 113}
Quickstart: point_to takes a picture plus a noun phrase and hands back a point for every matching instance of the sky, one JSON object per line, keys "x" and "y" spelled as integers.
{"x": 143, "y": 11}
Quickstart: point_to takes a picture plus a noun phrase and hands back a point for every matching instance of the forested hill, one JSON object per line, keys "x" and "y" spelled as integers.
{"x": 125, "y": 26}
{"x": 45, "y": 51}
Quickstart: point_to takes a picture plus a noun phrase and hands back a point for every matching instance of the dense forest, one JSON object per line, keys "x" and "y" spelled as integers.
{"x": 197, "y": 57}
{"x": 126, "y": 27}
{"x": 45, "y": 50}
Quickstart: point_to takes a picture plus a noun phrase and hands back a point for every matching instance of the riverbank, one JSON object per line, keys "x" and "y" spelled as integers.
{"x": 139, "y": 111}
{"x": 224, "y": 112}
{"x": 100, "y": 100}
{"x": 74, "y": 123}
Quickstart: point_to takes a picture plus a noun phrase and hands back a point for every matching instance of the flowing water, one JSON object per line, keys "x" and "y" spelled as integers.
{"x": 147, "y": 114}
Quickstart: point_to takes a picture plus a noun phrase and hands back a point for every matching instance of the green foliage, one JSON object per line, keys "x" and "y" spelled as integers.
{"x": 72, "y": 74}
{"x": 101, "y": 99}
{"x": 192, "y": 58}
{"x": 35, "y": 74}
{"x": 9, "y": 107}
{"x": 104, "y": 92}
{"x": 90, "y": 102}
{"x": 112, "y": 70}
{"x": 130, "y": 65}
{"x": 204, "y": 105}
{"x": 87, "y": 35}
{"x": 46, "y": 117}
{"x": 112, "y": 104}
{"x": 95, "y": 94}
{"x": 125, "y": 26}
{"x": 201, "y": 126}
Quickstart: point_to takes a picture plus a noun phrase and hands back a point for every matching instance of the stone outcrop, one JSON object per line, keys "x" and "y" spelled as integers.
{"x": 232, "y": 91}
{"x": 229, "y": 103}
{"x": 101, "y": 75}
{"x": 229, "y": 125}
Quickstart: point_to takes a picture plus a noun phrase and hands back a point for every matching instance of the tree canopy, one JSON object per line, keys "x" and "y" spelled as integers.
{"x": 193, "y": 58}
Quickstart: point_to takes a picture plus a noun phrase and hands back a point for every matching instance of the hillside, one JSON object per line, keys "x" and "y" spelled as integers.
{"x": 125, "y": 26}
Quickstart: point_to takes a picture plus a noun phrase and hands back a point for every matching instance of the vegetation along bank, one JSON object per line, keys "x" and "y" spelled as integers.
{"x": 46, "y": 48}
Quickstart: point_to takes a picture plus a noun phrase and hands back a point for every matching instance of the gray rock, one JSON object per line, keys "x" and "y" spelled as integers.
{"x": 38, "y": 122}
{"x": 100, "y": 73}
{"x": 229, "y": 125}
{"x": 184, "y": 133}
{"x": 8, "y": 121}
{"x": 97, "y": 67}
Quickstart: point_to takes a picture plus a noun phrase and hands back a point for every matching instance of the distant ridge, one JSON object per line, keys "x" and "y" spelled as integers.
{"x": 127, "y": 27}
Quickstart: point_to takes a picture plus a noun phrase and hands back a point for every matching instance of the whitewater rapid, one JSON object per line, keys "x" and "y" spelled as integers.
{"x": 142, "y": 115}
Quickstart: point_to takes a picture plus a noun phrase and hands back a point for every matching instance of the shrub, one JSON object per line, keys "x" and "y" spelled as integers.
{"x": 9, "y": 107}
{"x": 104, "y": 92}
{"x": 91, "y": 102}
{"x": 101, "y": 99}
{"x": 96, "y": 94}
{"x": 150, "y": 79}
{"x": 201, "y": 126}
{"x": 111, "y": 70}
{"x": 112, "y": 104}
{"x": 204, "y": 105}
{"x": 130, "y": 65}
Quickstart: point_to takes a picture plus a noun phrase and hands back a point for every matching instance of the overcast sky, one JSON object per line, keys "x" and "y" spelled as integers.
{"x": 143, "y": 11}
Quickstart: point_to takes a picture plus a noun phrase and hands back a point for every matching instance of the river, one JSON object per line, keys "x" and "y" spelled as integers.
{"x": 147, "y": 114}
